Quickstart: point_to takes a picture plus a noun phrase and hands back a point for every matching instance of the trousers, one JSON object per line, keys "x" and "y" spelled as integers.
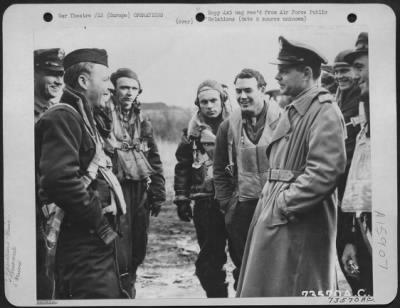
{"x": 86, "y": 267}
{"x": 132, "y": 246}
{"x": 237, "y": 219}
{"x": 212, "y": 238}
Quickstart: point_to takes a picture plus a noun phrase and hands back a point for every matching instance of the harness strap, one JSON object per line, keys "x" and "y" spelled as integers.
{"x": 229, "y": 169}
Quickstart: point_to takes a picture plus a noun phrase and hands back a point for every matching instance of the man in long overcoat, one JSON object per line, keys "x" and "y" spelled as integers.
{"x": 290, "y": 247}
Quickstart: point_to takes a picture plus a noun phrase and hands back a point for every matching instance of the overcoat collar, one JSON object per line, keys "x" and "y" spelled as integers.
{"x": 301, "y": 104}
{"x": 273, "y": 113}
{"x": 303, "y": 101}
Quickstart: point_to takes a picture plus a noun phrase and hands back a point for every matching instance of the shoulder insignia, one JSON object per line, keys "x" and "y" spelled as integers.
{"x": 325, "y": 98}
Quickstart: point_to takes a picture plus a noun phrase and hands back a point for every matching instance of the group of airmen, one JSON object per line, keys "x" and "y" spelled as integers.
{"x": 263, "y": 182}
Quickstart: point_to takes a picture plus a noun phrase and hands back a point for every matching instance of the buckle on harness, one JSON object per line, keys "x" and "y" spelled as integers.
{"x": 229, "y": 170}
{"x": 125, "y": 146}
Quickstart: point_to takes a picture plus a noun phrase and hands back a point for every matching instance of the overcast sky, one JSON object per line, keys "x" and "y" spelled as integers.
{"x": 172, "y": 61}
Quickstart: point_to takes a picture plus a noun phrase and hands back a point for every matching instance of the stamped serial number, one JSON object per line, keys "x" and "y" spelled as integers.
{"x": 329, "y": 293}
{"x": 350, "y": 300}
{"x": 333, "y": 293}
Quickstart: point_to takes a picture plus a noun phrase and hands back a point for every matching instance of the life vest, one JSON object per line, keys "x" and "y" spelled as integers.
{"x": 251, "y": 159}
{"x": 131, "y": 151}
{"x": 203, "y": 142}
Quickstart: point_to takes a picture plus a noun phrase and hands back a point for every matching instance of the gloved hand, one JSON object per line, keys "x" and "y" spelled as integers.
{"x": 155, "y": 208}
{"x": 184, "y": 210}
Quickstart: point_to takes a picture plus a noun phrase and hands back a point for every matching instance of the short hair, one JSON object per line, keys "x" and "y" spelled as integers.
{"x": 74, "y": 71}
{"x": 315, "y": 68}
{"x": 250, "y": 73}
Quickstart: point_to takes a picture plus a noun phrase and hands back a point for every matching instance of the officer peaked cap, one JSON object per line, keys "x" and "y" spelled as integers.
{"x": 294, "y": 53}
{"x": 92, "y": 55}
{"x": 49, "y": 59}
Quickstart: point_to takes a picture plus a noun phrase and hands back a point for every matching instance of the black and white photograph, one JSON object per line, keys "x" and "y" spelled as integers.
{"x": 184, "y": 154}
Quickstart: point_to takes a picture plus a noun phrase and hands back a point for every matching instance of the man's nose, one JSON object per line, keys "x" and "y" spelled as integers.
{"x": 243, "y": 94}
{"x": 59, "y": 80}
{"x": 110, "y": 86}
{"x": 356, "y": 73}
{"x": 209, "y": 105}
{"x": 278, "y": 76}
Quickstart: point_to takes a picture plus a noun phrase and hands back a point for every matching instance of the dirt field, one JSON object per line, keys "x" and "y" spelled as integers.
{"x": 168, "y": 271}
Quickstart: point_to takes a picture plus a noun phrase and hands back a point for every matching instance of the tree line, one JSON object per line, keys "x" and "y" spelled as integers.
{"x": 168, "y": 122}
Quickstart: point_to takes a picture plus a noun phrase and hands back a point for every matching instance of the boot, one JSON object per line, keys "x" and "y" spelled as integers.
{"x": 220, "y": 290}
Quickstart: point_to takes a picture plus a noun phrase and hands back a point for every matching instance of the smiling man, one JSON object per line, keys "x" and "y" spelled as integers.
{"x": 291, "y": 246}
{"x": 49, "y": 71}
{"x": 347, "y": 97}
{"x": 76, "y": 176}
{"x": 138, "y": 167}
{"x": 240, "y": 161}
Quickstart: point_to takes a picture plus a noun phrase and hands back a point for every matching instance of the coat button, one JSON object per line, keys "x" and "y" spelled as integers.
{"x": 91, "y": 231}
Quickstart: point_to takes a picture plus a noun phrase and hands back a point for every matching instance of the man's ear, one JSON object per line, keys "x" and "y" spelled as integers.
{"x": 83, "y": 81}
{"x": 308, "y": 73}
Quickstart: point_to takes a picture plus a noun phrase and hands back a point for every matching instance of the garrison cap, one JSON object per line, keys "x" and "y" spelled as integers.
{"x": 49, "y": 59}
{"x": 340, "y": 58}
{"x": 293, "y": 53}
{"x": 93, "y": 55}
{"x": 125, "y": 72}
{"x": 361, "y": 48}
{"x": 362, "y": 40}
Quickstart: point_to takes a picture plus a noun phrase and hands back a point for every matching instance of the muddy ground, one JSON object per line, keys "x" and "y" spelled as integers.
{"x": 168, "y": 270}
